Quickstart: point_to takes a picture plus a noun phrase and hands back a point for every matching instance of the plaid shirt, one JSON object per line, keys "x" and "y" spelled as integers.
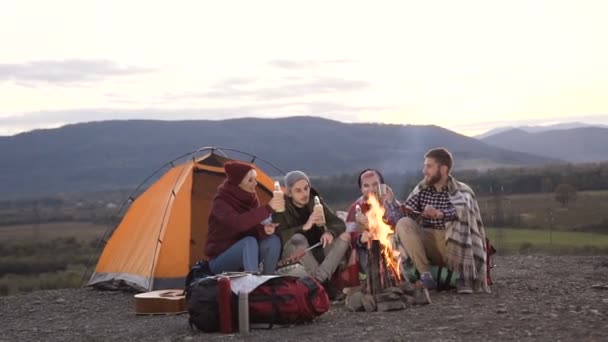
{"x": 439, "y": 200}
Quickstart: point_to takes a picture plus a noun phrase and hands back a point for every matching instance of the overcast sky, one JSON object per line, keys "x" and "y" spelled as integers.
{"x": 465, "y": 65}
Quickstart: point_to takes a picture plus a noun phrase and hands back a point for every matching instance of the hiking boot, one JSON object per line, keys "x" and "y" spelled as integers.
{"x": 333, "y": 293}
{"x": 463, "y": 287}
{"x": 428, "y": 281}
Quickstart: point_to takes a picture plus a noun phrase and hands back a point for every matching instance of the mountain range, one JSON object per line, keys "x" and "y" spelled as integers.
{"x": 576, "y": 145}
{"x": 538, "y": 129}
{"x": 107, "y": 155}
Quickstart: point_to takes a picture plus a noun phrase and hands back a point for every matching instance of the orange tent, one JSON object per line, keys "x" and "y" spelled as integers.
{"x": 164, "y": 231}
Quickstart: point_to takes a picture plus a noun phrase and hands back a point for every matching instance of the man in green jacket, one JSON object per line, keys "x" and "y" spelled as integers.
{"x": 301, "y": 226}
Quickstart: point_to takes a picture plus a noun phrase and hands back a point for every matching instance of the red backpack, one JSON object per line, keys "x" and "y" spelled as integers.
{"x": 287, "y": 300}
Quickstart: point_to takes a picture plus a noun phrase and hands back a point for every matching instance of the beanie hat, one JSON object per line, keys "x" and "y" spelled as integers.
{"x": 292, "y": 177}
{"x": 236, "y": 171}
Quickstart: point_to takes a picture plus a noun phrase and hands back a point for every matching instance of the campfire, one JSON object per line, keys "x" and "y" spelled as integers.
{"x": 386, "y": 289}
{"x": 383, "y": 261}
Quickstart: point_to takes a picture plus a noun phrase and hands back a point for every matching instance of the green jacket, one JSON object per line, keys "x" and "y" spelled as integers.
{"x": 291, "y": 220}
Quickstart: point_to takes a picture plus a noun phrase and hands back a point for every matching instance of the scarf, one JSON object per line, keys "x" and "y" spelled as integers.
{"x": 238, "y": 198}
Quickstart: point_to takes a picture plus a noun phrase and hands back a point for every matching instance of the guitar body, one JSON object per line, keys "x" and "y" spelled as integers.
{"x": 160, "y": 302}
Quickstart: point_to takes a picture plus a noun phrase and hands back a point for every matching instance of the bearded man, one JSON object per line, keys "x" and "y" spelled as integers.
{"x": 451, "y": 232}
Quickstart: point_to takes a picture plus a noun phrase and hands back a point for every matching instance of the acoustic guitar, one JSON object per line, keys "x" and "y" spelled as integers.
{"x": 160, "y": 302}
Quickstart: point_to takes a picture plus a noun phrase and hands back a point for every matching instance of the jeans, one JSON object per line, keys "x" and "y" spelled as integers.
{"x": 246, "y": 254}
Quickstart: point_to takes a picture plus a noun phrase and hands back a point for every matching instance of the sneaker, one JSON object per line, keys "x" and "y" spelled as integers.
{"x": 462, "y": 287}
{"x": 428, "y": 281}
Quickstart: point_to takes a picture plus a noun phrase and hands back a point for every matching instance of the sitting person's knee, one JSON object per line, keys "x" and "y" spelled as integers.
{"x": 345, "y": 237}
{"x": 274, "y": 240}
{"x": 250, "y": 244}
{"x": 298, "y": 240}
{"x": 406, "y": 225}
{"x": 250, "y": 241}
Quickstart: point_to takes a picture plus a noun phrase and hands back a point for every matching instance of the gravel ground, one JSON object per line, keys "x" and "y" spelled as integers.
{"x": 537, "y": 297}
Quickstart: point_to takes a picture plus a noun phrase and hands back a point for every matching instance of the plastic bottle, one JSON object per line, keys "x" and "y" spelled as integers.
{"x": 224, "y": 295}
{"x": 243, "y": 312}
{"x": 278, "y": 192}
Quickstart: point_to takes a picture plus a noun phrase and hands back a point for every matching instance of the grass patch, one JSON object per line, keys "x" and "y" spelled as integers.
{"x": 46, "y": 256}
{"x": 510, "y": 240}
{"x": 538, "y": 211}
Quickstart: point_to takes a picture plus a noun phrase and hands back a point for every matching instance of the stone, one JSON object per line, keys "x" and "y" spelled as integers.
{"x": 408, "y": 300}
{"x": 386, "y": 297}
{"x": 422, "y": 296}
{"x": 501, "y": 310}
{"x": 368, "y": 302}
{"x": 354, "y": 302}
{"x": 393, "y": 289}
{"x": 390, "y": 306}
{"x": 406, "y": 287}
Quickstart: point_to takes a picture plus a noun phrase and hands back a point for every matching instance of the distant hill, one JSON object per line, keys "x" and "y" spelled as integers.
{"x": 538, "y": 129}
{"x": 112, "y": 154}
{"x": 586, "y": 144}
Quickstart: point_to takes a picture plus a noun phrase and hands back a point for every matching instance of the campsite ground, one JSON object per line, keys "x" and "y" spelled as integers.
{"x": 536, "y": 297}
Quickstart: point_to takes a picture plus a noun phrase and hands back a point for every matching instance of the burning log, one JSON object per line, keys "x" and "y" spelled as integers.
{"x": 374, "y": 284}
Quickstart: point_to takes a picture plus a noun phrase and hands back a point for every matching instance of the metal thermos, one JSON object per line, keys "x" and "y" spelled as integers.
{"x": 243, "y": 312}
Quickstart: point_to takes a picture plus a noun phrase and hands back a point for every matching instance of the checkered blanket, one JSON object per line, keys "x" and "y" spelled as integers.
{"x": 465, "y": 237}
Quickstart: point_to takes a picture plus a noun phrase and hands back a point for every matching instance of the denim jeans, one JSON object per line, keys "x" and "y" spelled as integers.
{"x": 246, "y": 254}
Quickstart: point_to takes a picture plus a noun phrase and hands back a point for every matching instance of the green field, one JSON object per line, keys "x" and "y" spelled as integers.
{"x": 589, "y": 212}
{"x": 508, "y": 240}
{"x": 81, "y": 231}
{"x": 47, "y": 256}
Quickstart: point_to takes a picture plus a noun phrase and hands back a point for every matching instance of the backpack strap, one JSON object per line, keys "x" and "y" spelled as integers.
{"x": 313, "y": 288}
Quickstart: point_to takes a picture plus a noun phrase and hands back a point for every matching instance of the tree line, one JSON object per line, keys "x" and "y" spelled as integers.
{"x": 505, "y": 181}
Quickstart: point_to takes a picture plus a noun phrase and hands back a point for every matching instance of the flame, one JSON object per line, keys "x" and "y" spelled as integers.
{"x": 382, "y": 232}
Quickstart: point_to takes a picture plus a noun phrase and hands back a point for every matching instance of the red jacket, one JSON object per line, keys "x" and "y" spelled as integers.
{"x": 229, "y": 221}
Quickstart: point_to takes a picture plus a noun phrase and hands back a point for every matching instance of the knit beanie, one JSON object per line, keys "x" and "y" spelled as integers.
{"x": 292, "y": 177}
{"x": 236, "y": 171}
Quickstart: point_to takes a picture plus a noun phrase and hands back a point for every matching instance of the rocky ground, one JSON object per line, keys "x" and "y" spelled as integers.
{"x": 548, "y": 298}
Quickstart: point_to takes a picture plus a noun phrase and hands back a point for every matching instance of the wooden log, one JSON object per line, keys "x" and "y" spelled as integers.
{"x": 374, "y": 282}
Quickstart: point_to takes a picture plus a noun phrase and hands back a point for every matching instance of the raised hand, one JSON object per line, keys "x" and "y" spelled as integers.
{"x": 327, "y": 239}
{"x": 362, "y": 221}
{"x": 365, "y": 236}
{"x": 270, "y": 228}
{"x": 277, "y": 203}
{"x": 388, "y": 195}
{"x": 316, "y": 218}
{"x": 431, "y": 212}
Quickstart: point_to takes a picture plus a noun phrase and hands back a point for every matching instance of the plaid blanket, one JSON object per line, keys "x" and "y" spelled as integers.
{"x": 465, "y": 237}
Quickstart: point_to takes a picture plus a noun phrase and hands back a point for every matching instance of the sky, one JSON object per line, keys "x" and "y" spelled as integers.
{"x": 468, "y": 66}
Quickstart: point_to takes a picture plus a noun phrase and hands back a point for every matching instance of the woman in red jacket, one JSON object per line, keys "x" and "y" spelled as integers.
{"x": 236, "y": 238}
